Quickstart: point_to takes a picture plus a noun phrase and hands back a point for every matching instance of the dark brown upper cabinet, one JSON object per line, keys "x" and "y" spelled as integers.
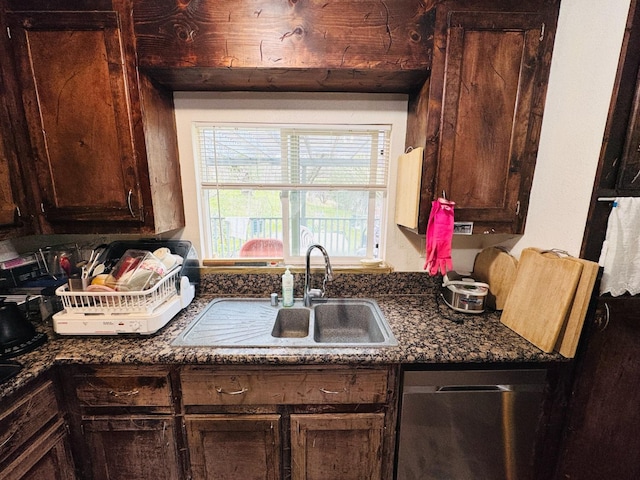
{"x": 618, "y": 172}
{"x": 10, "y": 179}
{"x": 628, "y": 178}
{"x": 621, "y": 148}
{"x": 16, "y": 209}
{"x": 480, "y": 114}
{"x": 96, "y": 80}
{"x": 103, "y": 138}
{"x": 295, "y": 45}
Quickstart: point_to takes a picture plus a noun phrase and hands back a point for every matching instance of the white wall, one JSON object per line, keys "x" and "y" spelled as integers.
{"x": 583, "y": 68}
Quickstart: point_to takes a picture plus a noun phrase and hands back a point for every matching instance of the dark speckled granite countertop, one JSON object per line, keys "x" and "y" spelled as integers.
{"x": 427, "y": 332}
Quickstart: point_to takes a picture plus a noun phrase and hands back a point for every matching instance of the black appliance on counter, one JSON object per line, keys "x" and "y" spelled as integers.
{"x": 17, "y": 333}
{"x": 8, "y": 370}
{"x": 26, "y": 293}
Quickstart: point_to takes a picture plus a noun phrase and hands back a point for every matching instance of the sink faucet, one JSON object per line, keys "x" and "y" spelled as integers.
{"x": 311, "y": 293}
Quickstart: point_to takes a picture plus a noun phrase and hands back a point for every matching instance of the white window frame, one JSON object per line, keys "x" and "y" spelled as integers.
{"x": 344, "y": 108}
{"x": 376, "y": 183}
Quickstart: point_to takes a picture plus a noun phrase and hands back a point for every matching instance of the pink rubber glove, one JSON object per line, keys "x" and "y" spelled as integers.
{"x": 439, "y": 236}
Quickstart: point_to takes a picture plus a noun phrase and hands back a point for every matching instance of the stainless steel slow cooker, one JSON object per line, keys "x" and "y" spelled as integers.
{"x": 464, "y": 294}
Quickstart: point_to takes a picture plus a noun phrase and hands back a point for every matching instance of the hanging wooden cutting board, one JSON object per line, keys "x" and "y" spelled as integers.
{"x": 541, "y": 297}
{"x": 408, "y": 188}
{"x": 570, "y": 332}
{"x": 496, "y": 267}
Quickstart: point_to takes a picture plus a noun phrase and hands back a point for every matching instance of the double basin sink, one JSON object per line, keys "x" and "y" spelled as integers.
{"x": 251, "y": 322}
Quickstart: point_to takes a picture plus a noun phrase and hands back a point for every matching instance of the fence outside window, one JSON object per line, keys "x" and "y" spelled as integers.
{"x": 340, "y": 236}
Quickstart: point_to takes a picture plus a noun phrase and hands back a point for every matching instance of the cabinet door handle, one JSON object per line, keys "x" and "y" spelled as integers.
{"x": 332, "y": 392}
{"x": 602, "y": 319}
{"x": 129, "y": 202}
{"x": 236, "y": 392}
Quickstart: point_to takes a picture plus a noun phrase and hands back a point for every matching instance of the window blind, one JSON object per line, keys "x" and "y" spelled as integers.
{"x": 284, "y": 156}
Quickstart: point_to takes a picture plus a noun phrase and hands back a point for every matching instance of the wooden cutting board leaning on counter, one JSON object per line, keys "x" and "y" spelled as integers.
{"x": 544, "y": 296}
{"x": 497, "y": 268}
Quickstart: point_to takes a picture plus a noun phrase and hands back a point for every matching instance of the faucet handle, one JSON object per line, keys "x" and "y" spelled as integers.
{"x": 315, "y": 293}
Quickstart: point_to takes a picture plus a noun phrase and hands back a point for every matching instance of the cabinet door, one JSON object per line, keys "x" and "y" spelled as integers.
{"x": 602, "y": 436}
{"x": 47, "y": 458}
{"x": 132, "y": 448}
{"x": 630, "y": 165}
{"x": 33, "y": 437}
{"x": 25, "y": 420}
{"x": 486, "y": 160}
{"x": 234, "y": 446}
{"x": 344, "y": 446}
{"x": 74, "y": 90}
{"x": 13, "y": 211}
{"x": 8, "y": 202}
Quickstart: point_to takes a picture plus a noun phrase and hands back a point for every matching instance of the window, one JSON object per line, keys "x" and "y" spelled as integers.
{"x": 272, "y": 190}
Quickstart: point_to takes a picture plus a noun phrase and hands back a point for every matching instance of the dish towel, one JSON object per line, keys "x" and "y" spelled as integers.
{"x": 439, "y": 236}
{"x": 620, "y": 254}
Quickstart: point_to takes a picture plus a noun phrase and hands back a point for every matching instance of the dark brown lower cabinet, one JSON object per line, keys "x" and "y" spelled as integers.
{"x": 602, "y": 439}
{"x": 47, "y": 458}
{"x": 345, "y": 446}
{"x": 294, "y": 423}
{"x": 132, "y": 448}
{"x": 123, "y": 422}
{"x": 34, "y": 438}
{"x": 206, "y": 422}
{"x": 234, "y": 446}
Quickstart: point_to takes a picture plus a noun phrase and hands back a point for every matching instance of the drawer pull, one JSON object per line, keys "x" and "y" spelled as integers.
{"x": 8, "y": 439}
{"x": 332, "y": 392}
{"x": 130, "y": 393}
{"x": 236, "y": 392}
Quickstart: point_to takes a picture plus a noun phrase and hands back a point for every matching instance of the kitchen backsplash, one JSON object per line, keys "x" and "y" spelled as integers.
{"x": 347, "y": 284}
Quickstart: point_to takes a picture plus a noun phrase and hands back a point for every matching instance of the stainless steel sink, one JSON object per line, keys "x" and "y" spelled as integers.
{"x": 292, "y": 323}
{"x": 252, "y": 322}
{"x": 346, "y": 323}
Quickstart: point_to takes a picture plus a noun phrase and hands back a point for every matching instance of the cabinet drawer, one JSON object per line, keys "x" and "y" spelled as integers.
{"x": 206, "y": 386}
{"x": 126, "y": 387}
{"x": 25, "y": 418}
{"x": 47, "y": 456}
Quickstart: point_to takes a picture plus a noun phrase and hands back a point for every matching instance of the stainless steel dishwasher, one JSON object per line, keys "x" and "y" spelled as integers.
{"x": 469, "y": 425}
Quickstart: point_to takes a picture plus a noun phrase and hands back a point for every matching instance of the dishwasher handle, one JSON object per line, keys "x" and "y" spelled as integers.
{"x": 473, "y": 388}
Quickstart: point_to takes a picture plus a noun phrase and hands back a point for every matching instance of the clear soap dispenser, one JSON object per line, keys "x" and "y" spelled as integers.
{"x": 287, "y": 288}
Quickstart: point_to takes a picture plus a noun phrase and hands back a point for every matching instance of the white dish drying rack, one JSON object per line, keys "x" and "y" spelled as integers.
{"x": 111, "y": 313}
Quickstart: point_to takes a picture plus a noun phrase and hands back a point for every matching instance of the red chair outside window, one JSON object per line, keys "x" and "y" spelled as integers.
{"x": 262, "y": 247}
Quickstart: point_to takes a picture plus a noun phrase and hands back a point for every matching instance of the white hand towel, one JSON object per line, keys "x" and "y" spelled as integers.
{"x": 620, "y": 254}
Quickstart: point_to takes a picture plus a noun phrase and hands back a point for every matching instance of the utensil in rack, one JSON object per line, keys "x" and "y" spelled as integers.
{"x": 92, "y": 264}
